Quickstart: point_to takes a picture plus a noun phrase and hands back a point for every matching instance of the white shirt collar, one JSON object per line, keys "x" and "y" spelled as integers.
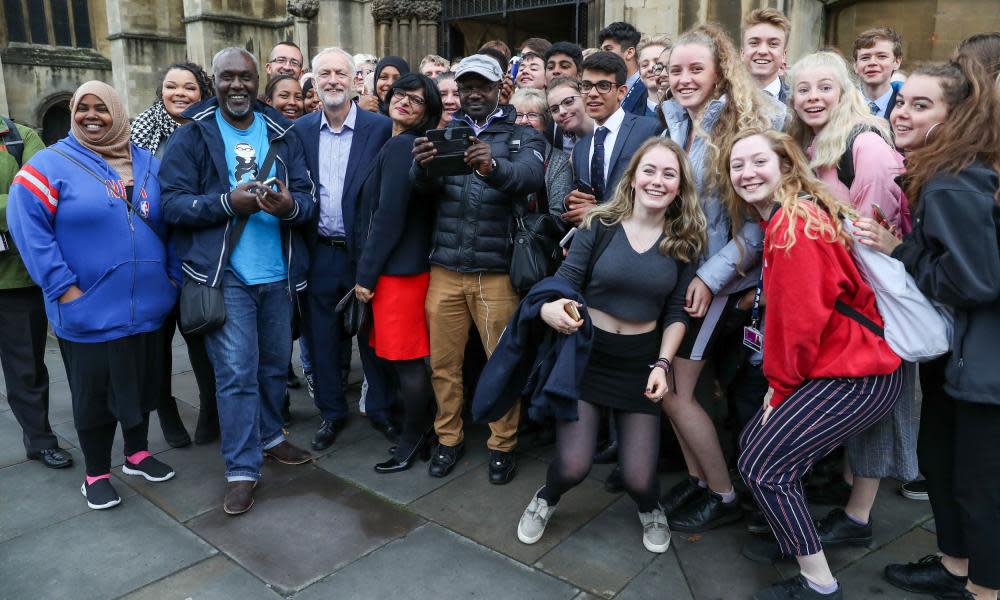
{"x": 631, "y": 80}
{"x": 774, "y": 88}
{"x": 614, "y": 122}
{"x": 352, "y": 116}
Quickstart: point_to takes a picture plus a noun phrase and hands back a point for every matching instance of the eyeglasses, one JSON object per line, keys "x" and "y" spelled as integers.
{"x": 603, "y": 86}
{"x": 658, "y": 68}
{"x": 414, "y": 99}
{"x": 531, "y": 116}
{"x": 284, "y": 60}
{"x": 564, "y": 104}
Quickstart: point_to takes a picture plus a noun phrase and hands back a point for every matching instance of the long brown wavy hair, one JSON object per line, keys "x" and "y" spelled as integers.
{"x": 684, "y": 225}
{"x": 970, "y": 132}
{"x": 745, "y": 103}
{"x": 798, "y": 193}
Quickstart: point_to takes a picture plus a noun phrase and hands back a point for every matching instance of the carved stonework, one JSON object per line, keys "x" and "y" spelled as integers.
{"x": 303, "y": 9}
{"x": 384, "y": 11}
{"x": 427, "y": 10}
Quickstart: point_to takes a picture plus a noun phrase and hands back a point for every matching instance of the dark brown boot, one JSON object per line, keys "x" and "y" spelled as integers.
{"x": 288, "y": 454}
{"x": 239, "y": 497}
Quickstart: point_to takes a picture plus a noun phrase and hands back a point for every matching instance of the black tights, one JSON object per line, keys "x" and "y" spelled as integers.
{"x": 638, "y": 447}
{"x": 96, "y": 443}
{"x": 417, "y": 396}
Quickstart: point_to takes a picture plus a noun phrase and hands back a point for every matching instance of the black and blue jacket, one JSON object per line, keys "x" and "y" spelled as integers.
{"x": 194, "y": 178}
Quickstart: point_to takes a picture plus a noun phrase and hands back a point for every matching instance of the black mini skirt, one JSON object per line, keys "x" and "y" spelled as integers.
{"x": 618, "y": 370}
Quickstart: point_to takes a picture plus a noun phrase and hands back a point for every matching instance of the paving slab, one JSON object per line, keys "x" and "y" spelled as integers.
{"x": 662, "y": 578}
{"x": 100, "y": 554}
{"x": 603, "y": 555}
{"x": 12, "y": 444}
{"x": 60, "y": 403}
{"x": 356, "y": 463}
{"x": 488, "y": 514}
{"x": 157, "y": 444}
{"x": 217, "y": 578}
{"x": 33, "y": 497}
{"x": 300, "y": 531}
{"x": 433, "y": 562}
{"x": 863, "y": 579}
{"x": 701, "y": 557}
{"x": 303, "y": 429}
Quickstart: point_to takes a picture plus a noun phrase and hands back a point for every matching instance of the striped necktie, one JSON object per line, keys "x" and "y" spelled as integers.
{"x": 873, "y": 107}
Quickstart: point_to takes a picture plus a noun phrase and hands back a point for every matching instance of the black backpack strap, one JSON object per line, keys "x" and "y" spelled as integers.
{"x": 845, "y": 166}
{"x": 12, "y": 140}
{"x": 262, "y": 172}
{"x": 851, "y": 313}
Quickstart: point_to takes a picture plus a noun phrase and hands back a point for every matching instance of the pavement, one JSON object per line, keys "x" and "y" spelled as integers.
{"x": 336, "y": 529}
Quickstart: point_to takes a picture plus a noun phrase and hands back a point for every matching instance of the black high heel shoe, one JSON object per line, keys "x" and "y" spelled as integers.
{"x": 395, "y": 465}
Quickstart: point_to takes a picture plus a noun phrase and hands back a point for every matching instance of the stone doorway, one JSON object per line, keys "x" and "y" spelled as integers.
{"x": 55, "y": 121}
{"x": 467, "y": 25}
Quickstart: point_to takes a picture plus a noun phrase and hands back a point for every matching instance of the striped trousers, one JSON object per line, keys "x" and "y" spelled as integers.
{"x": 817, "y": 418}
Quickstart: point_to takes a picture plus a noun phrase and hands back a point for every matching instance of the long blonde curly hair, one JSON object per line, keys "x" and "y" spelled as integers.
{"x": 746, "y": 107}
{"x": 850, "y": 113}
{"x": 799, "y": 193}
{"x": 684, "y": 224}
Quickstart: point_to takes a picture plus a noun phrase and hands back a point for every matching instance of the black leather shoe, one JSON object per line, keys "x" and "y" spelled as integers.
{"x": 757, "y": 524}
{"x": 681, "y": 494}
{"x": 503, "y": 466}
{"x": 395, "y": 464}
{"x": 170, "y": 422}
{"x": 207, "y": 430}
{"x": 926, "y": 576}
{"x": 795, "y": 588}
{"x": 837, "y": 529}
{"x": 53, "y": 458}
{"x": 614, "y": 483}
{"x": 834, "y": 493}
{"x": 326, "y": 435}
{"x": 293, "y": 380}
{"x": 607, "y": 455}
{"x": 706, "y": 512}
{"x": 387, "y": 428}
{"x": 763, "y": 550}
{"x": 444, "y": 460}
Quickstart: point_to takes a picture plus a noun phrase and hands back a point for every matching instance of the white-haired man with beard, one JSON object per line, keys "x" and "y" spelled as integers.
{"x": 339, "y": 141}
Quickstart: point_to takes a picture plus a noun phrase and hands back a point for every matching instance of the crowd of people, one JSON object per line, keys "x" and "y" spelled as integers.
{"x": 710, "y": 203}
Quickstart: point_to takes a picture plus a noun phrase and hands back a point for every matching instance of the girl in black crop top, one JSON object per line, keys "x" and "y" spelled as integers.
{"x": 652, "y": 231}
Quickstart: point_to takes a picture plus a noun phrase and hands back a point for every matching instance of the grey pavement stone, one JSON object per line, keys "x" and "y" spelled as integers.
{"x": 930, "y": 526}
{"x": 11, "y": 441}
{"x": 863, "y": 579}
{"x": 60, "y": 403}
{"x": 356, "y": 463}
{"x": 433, "y": 562}
{"x": 662, "y": 578}
{"x": 36, "y": 496}
{"x": 157, "y": 443}
{"x": 300, "y": 531}
{"x": 603, "y": 555}
{"x": 303, "y": 429}
{"x": 489, "y": 513}
{"x": 100, "y": 554}
{"x": 217, "y": 578}
{"x": 701, "y": 557}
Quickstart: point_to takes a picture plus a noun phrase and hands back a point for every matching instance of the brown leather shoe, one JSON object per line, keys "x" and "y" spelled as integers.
{"x": 239, "y": 497}
{"x": 288, "y": 454}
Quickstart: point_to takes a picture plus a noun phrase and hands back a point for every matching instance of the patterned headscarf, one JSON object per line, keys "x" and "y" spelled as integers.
{"x": 153, "y": 126}
{"x": 114, "y": 146}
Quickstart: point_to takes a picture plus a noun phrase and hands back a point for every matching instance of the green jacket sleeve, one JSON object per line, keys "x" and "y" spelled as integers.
{"x": 32, "y": 145}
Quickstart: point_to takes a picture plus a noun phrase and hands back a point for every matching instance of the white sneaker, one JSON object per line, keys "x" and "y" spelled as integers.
{"x": 655, "y": 532}
{"x": 535, "y": 518}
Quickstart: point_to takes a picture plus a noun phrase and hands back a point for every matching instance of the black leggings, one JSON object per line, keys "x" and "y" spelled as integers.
{"x": 638, "y": 447}
{"x": 417, "y": 396}
{"x": 96, "y": 443}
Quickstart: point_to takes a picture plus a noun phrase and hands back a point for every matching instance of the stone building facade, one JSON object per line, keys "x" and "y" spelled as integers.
{"x": 49, "y": 47}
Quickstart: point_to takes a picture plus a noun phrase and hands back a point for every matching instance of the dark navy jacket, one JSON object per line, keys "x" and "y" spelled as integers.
{"x": 634, "y": 101}
{"x": 194, "y": 178}
{"x": 533, "y": 360}
{"x": 394, "y": 224}
{"x": 634, "y": 131}
{"x": 371, "y": 131}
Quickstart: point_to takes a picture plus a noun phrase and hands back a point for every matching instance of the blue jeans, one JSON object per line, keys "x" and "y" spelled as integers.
{"x": 250, "y": 354}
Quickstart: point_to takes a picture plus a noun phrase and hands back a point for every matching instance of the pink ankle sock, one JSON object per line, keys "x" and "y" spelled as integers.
{"x": 138, "y": 457}
{"x": 91, "y": 480}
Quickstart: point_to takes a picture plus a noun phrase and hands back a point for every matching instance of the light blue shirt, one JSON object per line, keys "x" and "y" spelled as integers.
{"x": 882, "y": 102}
{"x": 257, "y": 258}
{"x": 334, "y": 154}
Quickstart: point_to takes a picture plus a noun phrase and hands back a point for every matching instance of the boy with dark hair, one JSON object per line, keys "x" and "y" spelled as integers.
{"x": 536, "y": 45}
{"x": 623, "y": 39}
{"x": 563, "y": 59}
{"x": 878, "y": 53}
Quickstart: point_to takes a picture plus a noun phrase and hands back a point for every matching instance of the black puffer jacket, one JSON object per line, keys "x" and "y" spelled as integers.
{"x": 953, "y": 254}
{"x": 473, "y": 230}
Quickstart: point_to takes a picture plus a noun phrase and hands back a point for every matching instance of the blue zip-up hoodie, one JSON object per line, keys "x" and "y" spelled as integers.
{"x": 75, "y": 229}
{"x": 195, "y": 180}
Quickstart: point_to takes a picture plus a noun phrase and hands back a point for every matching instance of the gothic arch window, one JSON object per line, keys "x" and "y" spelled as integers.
{"x": 48, "y": 22}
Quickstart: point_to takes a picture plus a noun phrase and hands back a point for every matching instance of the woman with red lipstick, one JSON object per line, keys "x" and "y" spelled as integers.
{"x": 393, "y": 270}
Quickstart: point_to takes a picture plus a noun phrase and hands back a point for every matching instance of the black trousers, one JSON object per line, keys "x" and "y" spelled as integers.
{"x": 204, "y": 376}
{"x": 22, "y": 355}
{"x": 959, "y": 453}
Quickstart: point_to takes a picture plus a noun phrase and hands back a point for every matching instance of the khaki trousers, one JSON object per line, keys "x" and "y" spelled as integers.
{"x": 454, "y": 300}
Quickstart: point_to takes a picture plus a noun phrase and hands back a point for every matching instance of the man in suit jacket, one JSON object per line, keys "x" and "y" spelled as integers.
{"x": 764, "y": 51}
{"x": 340, "y": 142}
{"x": 878, "y": 53}
{"x": 600, "y": 159}
{"x": 623, "y": 39}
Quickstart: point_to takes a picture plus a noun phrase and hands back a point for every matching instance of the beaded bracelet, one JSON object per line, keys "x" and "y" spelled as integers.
{"x": 662, "y": 363}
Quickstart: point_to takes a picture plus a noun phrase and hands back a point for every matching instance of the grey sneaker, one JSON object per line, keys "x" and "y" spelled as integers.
{"x": 655, "y": 533}
{"x": 533, "y": 521}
